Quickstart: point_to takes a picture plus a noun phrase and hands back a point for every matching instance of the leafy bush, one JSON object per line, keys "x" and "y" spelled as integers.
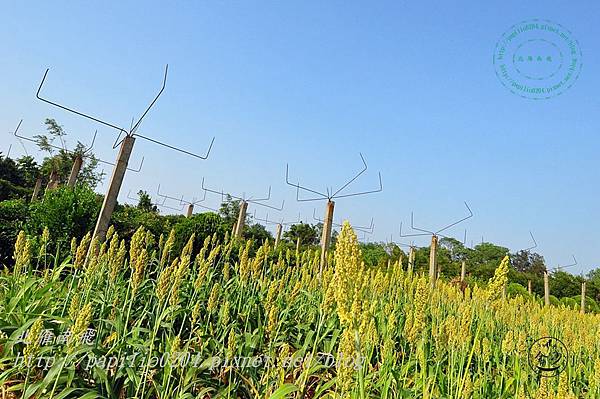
{"x": 67, "y": 212}
{"x": 554, "y": 301}
{"x": 9, "y": 190}
{"x": 200, "y": 224}
{"x": 590, "y": 304}
{"x": 515, "y": 289}
{"x": 13, "y": 215}
{"x": 126, "y": 219}
{"x": 570, "y": 302}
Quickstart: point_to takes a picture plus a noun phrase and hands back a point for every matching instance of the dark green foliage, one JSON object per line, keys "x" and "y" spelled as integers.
{"x": 16, "y": 177}
{"x": 202, "y": 225}
{"x": 67, "y": 212}
{"x": 570, "y": 303}
{"x": 554, "y": 300}
{"x": 515, "y": 289}
{"x": 13, "y": 215}
{"x": 126, "y": 219}
{"x": 257, "y": 232}
{"x": 308, "y": 234}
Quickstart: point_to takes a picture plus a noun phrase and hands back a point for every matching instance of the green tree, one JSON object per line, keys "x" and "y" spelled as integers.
{"x": 61, "y": 161}
{"x": 307, "y": 233}
{"x": 145, "y": 202}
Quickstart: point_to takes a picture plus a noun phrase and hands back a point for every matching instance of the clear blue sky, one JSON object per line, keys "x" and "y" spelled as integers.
{"x": 411, "y": 85}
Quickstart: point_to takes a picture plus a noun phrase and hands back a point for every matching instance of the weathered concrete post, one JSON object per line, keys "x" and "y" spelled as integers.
{"x": 278, "y": 233}
{"x": 239, "y": 227}
{"x": 546, "y": 289}
{"x": 463, "y": 271}
{"x": 529, "y": 287}
{"x": 190, "y": 210}
{"x": 432, "y": 260}
{"x": 36, "y": 189}
{"x": 110, "y": 199}
{"x": 583, "y": 297}
{"x": 411, "y": 259}
{"x": 53, "y": 180}
{"x": 326, "y": 236}
{"x": 77, "y": 162}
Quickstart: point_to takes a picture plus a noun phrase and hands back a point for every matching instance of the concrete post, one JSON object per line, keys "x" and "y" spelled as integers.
{"x": 239, "y": 227}
{"x": 298, "y": 244}
{"x": 53, "y": 180}
{"x": 110, "y": 199}
{"x": 77, "y": 162}
{"x": 529, "y": 287}
{"x": 583, "y": 297}
{"x": 36, "y": 189}
{"x": 190, "y": 210}
{"x": 463, "y": 271}
{"x": 326, "y": 236}
{"x": 546, "y": 290}
{"x": 432, "y": 260}
{"x": 411, "y": 259}
{"x": 278, "y": 233}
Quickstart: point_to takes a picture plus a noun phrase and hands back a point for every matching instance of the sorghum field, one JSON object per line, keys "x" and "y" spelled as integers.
{"x": 136, "y": 320}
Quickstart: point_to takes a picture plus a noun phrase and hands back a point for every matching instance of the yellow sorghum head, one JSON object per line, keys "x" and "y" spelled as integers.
{"x": 73, "y": 248}
{"x": 138, "y": 269}
{"x": 231, "y": 344}
{"x": 349, "y": 273}
{"x": 168, "y": 247}
{"x": 497, "y": 283}
{"x": 110, "y": 232}
{"x": 33, "y": 340}
{"x": 213, "y": 298}
{"x": 83, "y": 320}
{"x": 22, "y": 255}
{"x": 82, "y": 251}
{"x": 163, "y": 284}
{"x": 225, "y": 314}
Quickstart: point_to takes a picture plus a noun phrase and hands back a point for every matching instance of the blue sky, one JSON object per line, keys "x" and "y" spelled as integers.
{"x": 411, "y": 85}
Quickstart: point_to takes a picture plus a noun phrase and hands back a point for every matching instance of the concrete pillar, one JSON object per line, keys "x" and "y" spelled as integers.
{"x": 583, "y": 297}
{"x": 463, "y": 271}
{"x": 110, "y": 199}
{"x": 36, "y": 189}
{"x": 411, "y": 259}
{"x": 278, "y": 233}
{"x": 529, "y": 287}
{"x": 546, "y": 290}
{"x": 432, "y": 260}
{"x": 326, "y": 236}
{"x": 77, "y": 162}
{"x": 239, "y": 227}
{"x": 53, "y": 180}
{"x": 190, "y": 210}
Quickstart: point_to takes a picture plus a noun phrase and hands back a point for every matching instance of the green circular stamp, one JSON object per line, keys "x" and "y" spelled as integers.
{"x": 537, "y": 59}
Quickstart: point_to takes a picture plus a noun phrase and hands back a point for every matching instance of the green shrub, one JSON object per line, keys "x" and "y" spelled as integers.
{"x": 590, "y": 304}
{"x": 200, "y": 224}
{"x": 515, "y": 289}
{"x": 554, "y": 301}
{"x": 126, "y": 219}
{"x": 570, "y": 302}
{"x": 13, "y": 215}
{"x": 9, "y": 190}
{"x": 67, "y": 212}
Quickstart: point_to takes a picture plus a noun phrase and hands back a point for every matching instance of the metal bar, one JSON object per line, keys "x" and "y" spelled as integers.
{"x": 362, "y": 192}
